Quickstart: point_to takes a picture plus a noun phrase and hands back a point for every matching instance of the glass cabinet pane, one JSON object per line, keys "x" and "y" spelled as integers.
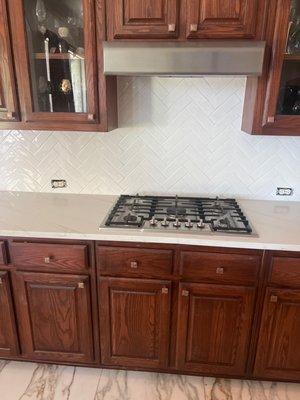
{"x": 289, "y": 97}
{"x": 55, "y": 40}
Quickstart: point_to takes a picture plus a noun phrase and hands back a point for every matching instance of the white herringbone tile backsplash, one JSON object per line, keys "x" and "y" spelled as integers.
{"x": 175, "y": 136}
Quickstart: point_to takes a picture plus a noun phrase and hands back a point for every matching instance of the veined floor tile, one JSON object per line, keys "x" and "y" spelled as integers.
{"x": 26, "y": 381}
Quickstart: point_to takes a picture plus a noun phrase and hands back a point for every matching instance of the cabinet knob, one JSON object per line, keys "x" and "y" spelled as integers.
{"x": 185, "y": 293}
{"x": 90, "y": 117}
{"x": 271, "y": 120}
{"x": 171, "y": 27}
{"x": 220, "y": 271}
{"x": 81, "y": 285}
{"x": 134, "y": 264}
{"x": 193, "y": 27}
{"x": 47, "y": 260}
{"x": 165, "y": 290}
{"x": 274, "y": 299}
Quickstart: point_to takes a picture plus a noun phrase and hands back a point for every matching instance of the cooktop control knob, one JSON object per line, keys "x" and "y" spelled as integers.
{"x": 153, "y": 222}
{"x": 177, "y": 223}
{"x": 165, "y": 223}
{"x": 189, "y": 224}
{"x": 201, "y": 224}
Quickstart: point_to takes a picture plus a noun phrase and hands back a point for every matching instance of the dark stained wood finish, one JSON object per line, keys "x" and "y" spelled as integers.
{"x": 260, "y": 114}
{"x": 3, "y": 256}
{"x": 285, "y": 271}
{"x": 54, "y": 316}
{"x": 8, "y": 99}
{"x": 8, "y": 333}
{"x": 101, "y": 92}
{"x": 278, "y": 351}
{"x": 222, "y": 19}
{"x": 214, "y": 328}
{"x": 142, "y": 19}
{"x": 50, "y": 257}
{"x": 135, "y": 322}
{"x": 126, "y": 261}
{"x": 223, "y": 268}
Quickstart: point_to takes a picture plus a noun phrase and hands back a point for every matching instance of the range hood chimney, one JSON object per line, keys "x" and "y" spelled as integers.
{"x": 205, "y": 57}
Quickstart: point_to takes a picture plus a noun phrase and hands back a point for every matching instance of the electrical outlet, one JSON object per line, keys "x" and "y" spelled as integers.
{"x": 58, "y": 183}
{"x": 284, "y": 191}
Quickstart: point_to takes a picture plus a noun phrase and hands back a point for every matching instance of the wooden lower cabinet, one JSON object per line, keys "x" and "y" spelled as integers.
{"x": 278, "y": 352}
{"x": 54, "y": 316}
{"x": 214, "y": 328}
{"x": 8, "y": 334}
{"x": 134, "y": 322}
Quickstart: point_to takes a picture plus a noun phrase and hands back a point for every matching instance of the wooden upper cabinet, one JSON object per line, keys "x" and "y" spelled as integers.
{"x": 214, "y": 328}
{"x": 142, "y": 19}
{"x": 272, "y": 102}
{"x": 135, "y": 322}
{"x": 8, "y": 333}
{"x": 59, "y": 70}
{"x": 8, "y": 100}
{"x": 278, "y": 352}
{"x": 221, "y": 19}
{"x": 54, "y": 316}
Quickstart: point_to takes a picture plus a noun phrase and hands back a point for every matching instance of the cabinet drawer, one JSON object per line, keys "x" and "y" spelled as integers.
{"x": 133, "y": 262}
{"x": 3, "y": 258}
{"x": 285, "y": 271}
{"x": 219, "y": 267}
{"x": 50, "y": 257}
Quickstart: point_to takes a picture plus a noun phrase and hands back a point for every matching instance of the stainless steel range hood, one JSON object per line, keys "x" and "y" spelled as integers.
{"x": 184, "y": 59}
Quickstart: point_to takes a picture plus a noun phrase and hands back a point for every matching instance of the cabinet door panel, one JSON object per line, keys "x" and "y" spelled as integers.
{"x": 134, "y": 319}
{"x": 54, "y": 313}
{"x": 278, "y": 352}
{"x": 214, "y": 328}
{"x": 142, "y": 19}
{"x": 8, "y": 335}
{"x": 221, "y": 18}
{"x": 8, "y": 101}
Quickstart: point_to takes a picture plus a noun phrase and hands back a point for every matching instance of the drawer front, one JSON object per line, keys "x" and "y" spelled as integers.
{"x": 285, "y": 271}
{"x": 134, "y": 262}
{"x": 219, "y": 267}
{"x": 50, "y": 257}
{"x": 3, "y": 258}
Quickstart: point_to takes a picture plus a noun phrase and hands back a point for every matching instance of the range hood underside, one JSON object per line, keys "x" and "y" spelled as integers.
{"x": 184, "y": 59}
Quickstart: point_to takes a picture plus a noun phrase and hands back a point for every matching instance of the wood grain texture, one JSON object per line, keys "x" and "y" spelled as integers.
{"x": 135, "y": 321}
{"x": 8, "y": 99}
{"x": 285, "y": 271}
{"x": 214, "y": 328}
{"x": 278, "y": 351}
{"x": 3, "y": 255}
{"x": 8, "y": 332}
{"x": 142, "y": 19}
{"x": 221, "y": 19}
{"x": 61, "y": 257}
{"x": 54, "y": 316}
{"x": 260, "y": 107}
{"x": 205, "y": 267}
{"x": 148, "y": 262}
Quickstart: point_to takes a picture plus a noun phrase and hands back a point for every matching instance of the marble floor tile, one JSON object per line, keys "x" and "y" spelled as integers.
{"x": 26, "y": 381}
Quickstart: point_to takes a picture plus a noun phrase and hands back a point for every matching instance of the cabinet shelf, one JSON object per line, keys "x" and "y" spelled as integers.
{"x": 59, "y": 56}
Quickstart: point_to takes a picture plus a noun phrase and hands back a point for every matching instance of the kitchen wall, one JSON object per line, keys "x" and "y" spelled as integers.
{"x": 176, "y": 136}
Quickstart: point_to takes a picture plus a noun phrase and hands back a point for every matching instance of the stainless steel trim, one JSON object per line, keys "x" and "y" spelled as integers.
{"x": 203, "y": 57}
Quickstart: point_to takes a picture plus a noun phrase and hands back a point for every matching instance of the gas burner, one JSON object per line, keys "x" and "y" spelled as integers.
{"x": 181, "y": 214}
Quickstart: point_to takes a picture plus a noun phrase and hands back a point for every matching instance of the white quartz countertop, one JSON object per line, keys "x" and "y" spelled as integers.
{"x": 69, "y": 216}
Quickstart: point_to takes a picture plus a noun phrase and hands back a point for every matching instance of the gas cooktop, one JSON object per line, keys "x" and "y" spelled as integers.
{"x": 184, "y": 214}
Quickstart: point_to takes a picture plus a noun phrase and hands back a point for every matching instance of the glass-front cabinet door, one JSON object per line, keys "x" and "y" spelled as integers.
{"x": 55, "y": 45}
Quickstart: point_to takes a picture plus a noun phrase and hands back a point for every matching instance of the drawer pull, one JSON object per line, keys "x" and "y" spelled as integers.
{"x": 274, "y": 299}
{"x": 134, "y": 264}
{"x": 193, "y": 27}
{"x": 80, "y": 285}
{"x": 165, "y": 290}
{"x": 171, "y": 27}
{"x": 185, "y": 293}
{"x": 47, "y": 260}
{"x": 220, "y": 271}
